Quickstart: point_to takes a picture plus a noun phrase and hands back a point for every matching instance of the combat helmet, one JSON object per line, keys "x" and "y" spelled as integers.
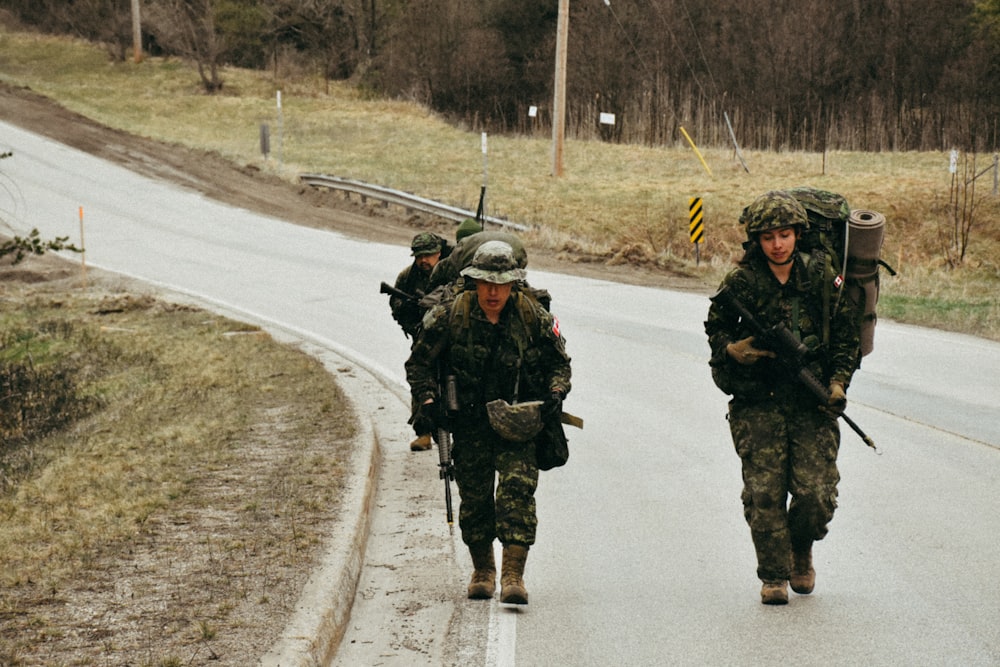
{"x": 494, "y": 263}
{"x": 426, "y": 243}
{"x": 468, "y": 227}
{"x": 773, "y": 210}
{"x": 518, "y": 423}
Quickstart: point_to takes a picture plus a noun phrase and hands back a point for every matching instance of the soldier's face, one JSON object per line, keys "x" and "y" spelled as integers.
{"x": 427, "y": 262}
{"x": 492, "y": 298}
{"x": 778, "y": 244}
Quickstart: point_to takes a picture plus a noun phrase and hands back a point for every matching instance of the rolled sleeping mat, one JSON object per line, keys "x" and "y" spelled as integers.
{"x": 865, "y": 234}
{"x": 866, "y": 231}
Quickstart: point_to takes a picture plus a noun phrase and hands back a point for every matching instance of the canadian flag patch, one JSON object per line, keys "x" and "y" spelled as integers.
{"x": 838, "y": 281}
{"x": 555, "y": 325}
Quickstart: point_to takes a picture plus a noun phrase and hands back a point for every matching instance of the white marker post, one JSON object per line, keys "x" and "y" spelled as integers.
{"x": 281, "y": 136}
{"x": 482, "y": 197}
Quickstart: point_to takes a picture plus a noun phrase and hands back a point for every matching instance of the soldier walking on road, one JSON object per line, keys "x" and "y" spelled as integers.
{"x": 787, "y": 442}
{"x": 446, "y": 279}
{"x": 498, "y": 344}
{"x": 427, "y": 250}
{"x": 468, "y": 237}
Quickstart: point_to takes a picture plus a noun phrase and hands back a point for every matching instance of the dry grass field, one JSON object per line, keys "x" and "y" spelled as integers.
{"x": 168, "y": 477}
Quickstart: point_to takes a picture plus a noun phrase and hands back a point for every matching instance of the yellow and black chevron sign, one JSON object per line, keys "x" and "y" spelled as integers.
{"x": 696, "y": 225}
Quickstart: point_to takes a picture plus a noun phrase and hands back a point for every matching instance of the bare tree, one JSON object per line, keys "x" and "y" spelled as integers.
{"x": 323, "y": 31}
{"x": 188, "y": 28}
{"x": 800, "y": 74}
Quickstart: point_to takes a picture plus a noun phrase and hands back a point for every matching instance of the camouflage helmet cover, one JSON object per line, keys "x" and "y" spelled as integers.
{"x": 518, "y": 423}
{"x": 494, "y": 263}
{"x": 773, "y": 210}
{"x": 821, "y": 204}
{"x": 426, "y": 243}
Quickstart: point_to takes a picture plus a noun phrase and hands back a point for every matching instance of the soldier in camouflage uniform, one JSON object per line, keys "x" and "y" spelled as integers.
{"x": 427, "y": 250}
{"x": 446, "y": 278}
{"x": 787, "y": 443}
{"x": 498, "y": 344}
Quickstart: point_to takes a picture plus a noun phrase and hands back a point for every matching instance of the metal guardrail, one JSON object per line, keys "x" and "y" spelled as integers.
{"x": 404, "y": 199}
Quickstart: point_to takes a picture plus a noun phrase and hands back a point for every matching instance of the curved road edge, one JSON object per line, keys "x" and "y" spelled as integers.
{"x": 385, "y": 521}
{"x": 313, "y": 634}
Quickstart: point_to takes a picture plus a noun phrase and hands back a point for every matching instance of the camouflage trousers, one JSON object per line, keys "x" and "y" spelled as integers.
{"x": 496, "y": 485}
{"x": 786, "y": 450}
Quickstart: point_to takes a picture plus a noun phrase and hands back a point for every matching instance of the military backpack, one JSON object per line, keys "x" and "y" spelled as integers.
{"x": 852, "y": 242}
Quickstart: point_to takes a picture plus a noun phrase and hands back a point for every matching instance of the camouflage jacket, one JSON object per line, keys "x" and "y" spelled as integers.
{"x": 522, "y": 357}
{"x": 408, "y": 314}
{"x": 833, "y": 341}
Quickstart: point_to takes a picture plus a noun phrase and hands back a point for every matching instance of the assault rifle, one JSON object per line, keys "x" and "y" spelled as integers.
{"x": 448, "y": 408}
{"x": 386, "y": 288}
{"x": 790, "y": 350}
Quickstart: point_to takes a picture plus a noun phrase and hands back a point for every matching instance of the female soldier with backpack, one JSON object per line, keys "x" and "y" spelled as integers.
{"x": 787, "y": 442}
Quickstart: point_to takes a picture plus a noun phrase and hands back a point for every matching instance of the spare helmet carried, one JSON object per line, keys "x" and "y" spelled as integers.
{"x": 518, "y": 423}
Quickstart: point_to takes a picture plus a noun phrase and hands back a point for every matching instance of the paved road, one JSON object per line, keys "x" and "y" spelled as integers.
{"x": 643, "y": 558}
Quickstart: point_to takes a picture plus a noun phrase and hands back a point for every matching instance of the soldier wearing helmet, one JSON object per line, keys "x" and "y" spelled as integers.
{"x": 427, "y": 250}
{"x": 787, "y": 443}
{"x": 509, "y": 361}
{"x": 468, "y": 238}
{"x": 447, "y": 280}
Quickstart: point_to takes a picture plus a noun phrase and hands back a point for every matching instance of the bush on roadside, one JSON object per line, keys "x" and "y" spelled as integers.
{"x": 39, "y": 394}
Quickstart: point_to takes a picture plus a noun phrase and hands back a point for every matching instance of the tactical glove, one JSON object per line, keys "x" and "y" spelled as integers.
{"x": 838, "y": 399}
{"x": 423, "y": 419}
{"x": 552, "y": 406}
{"x": 745, "y": 353}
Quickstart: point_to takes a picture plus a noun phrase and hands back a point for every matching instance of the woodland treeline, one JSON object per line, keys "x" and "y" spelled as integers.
{"x": 869, "y": 75}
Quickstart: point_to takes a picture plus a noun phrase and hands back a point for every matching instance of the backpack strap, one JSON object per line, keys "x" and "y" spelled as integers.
{"x": 461, "y": 309}
{"x": 459, "y": 316}
{"x": 819, "y": 266}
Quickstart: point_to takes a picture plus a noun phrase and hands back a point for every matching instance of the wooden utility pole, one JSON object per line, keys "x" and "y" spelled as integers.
{"x": 136, "y": 31}
{"x": 559, "y": 96}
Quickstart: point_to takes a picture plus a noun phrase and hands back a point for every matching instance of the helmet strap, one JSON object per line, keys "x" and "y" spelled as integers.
{"x": 790, "y": 259}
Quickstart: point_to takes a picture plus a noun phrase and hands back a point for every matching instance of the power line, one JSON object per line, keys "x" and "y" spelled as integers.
{"x": 701, "y": 51}
{"x": 635, "y": 50}
{"x": 694, "y": 75}
{"x": 649, "y": 71}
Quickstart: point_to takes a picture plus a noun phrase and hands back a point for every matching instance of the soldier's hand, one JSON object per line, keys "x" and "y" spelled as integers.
{"x": 423, "y": 419}
{"x": 745, "y": 353}
{"x": 552, "y": 406}
{"x": 838, "y": 399}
